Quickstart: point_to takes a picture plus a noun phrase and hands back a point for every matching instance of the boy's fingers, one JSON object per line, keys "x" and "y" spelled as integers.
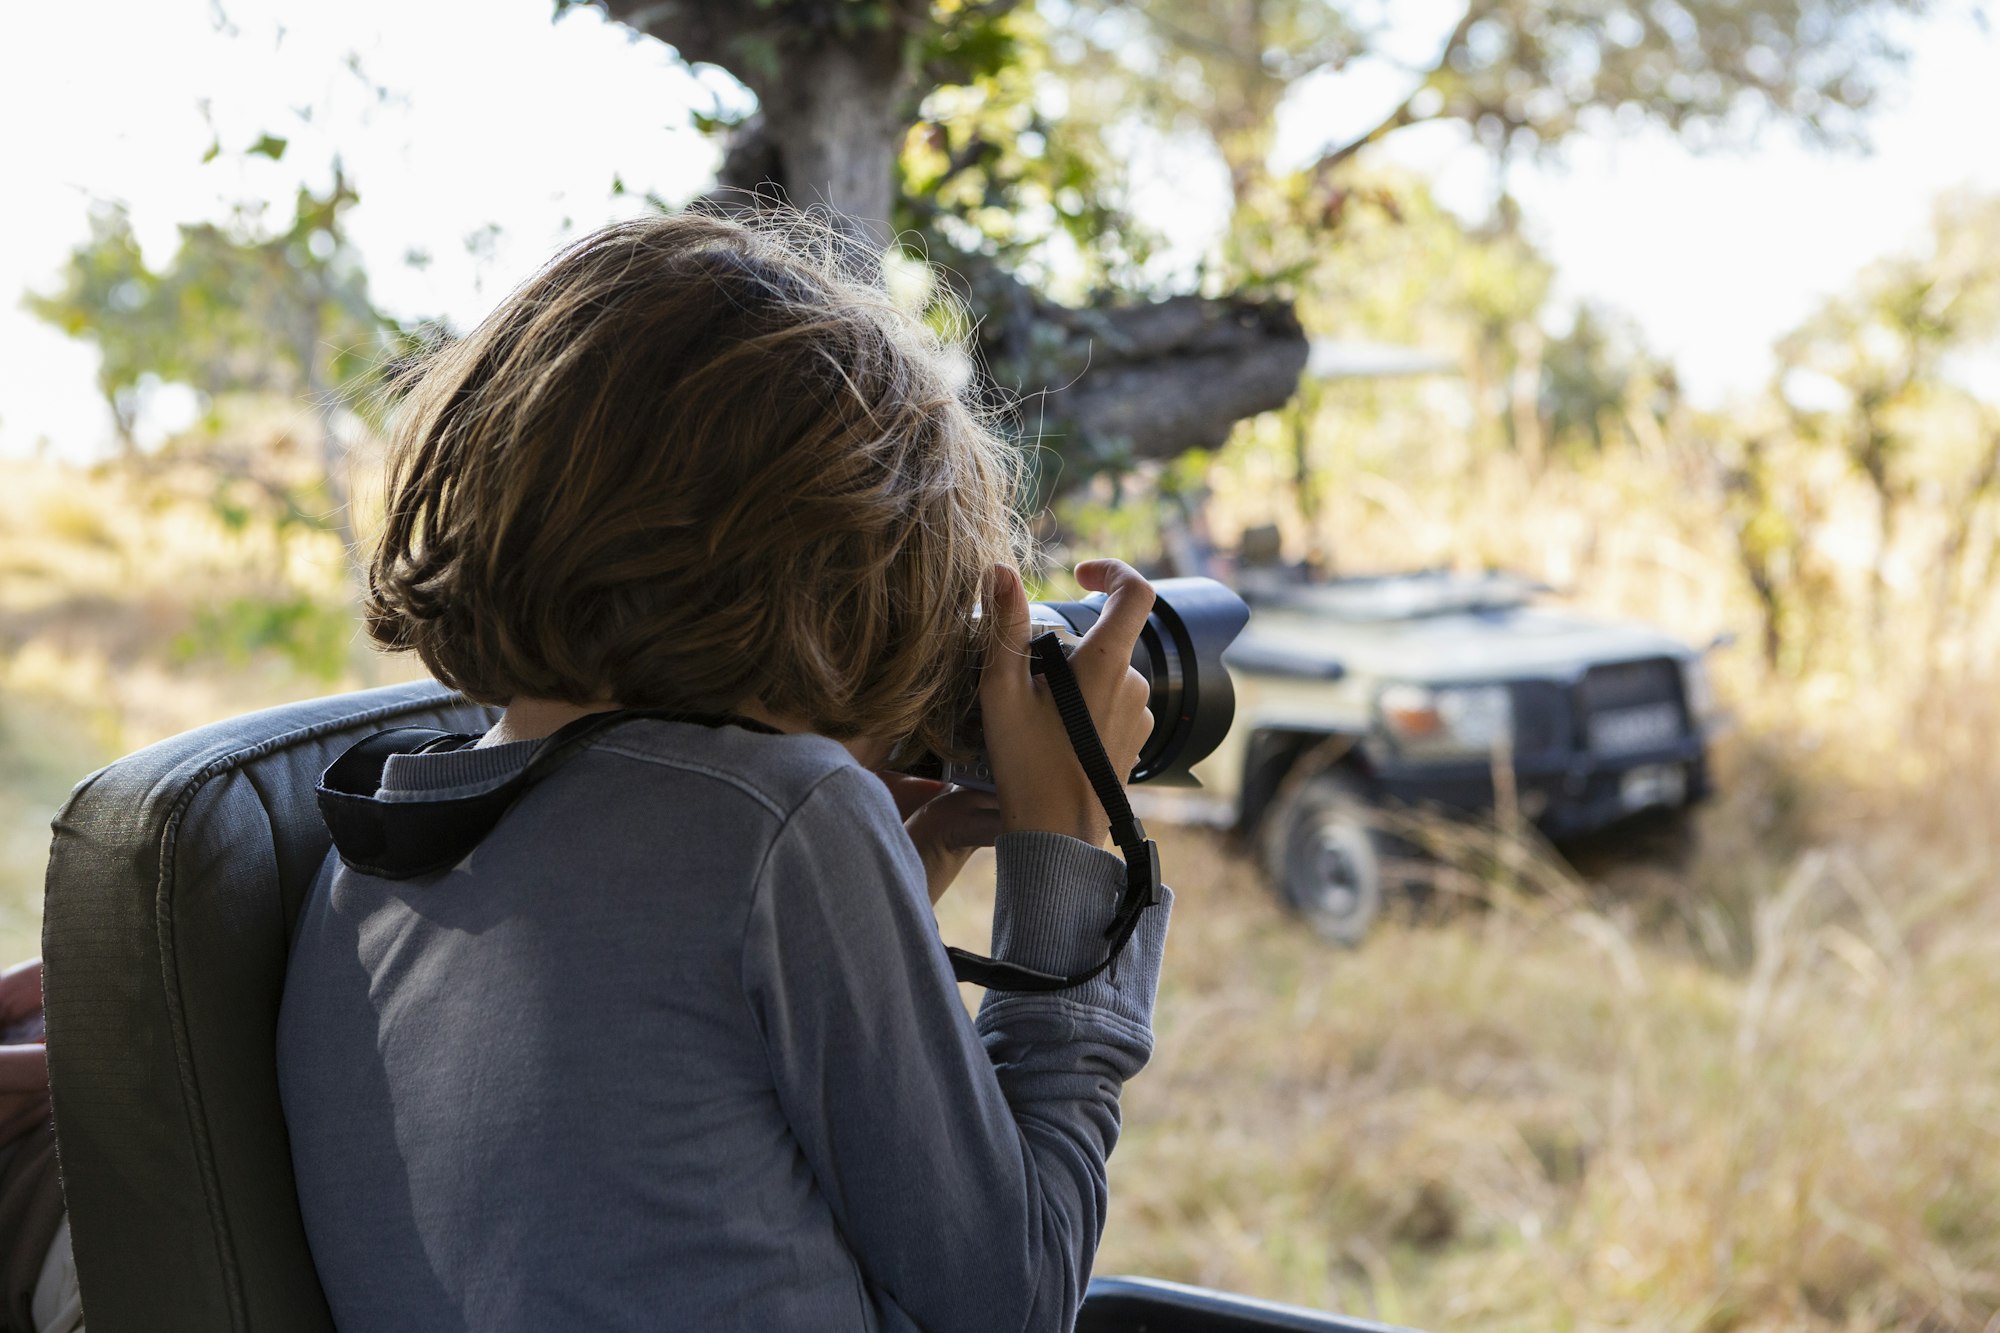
{"x": 1007, "y": 657}
{"x": 1128, "y": 600}
{"x": 24, "y": 1069}
{"x": 969, "y": 818}
{"x": 911, "y": 794}
{"x": 21, "y": 989}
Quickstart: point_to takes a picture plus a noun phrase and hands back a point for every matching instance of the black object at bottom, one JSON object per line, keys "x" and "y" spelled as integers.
{"x": 1147, "y": 1305}
{"x": 1141, "y": 853}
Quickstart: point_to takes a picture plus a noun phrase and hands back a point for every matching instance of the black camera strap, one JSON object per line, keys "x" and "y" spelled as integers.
{"x": 408, "y": 839}
{"x": 1141, "y": 853}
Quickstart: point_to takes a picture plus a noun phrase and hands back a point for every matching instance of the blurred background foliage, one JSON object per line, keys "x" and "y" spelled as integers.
{"x": 1750, "y": 1084}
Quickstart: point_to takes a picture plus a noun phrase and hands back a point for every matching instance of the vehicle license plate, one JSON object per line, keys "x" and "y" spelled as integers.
{"x": 1653, "y": 784}
{"x": 1646, "y": 727}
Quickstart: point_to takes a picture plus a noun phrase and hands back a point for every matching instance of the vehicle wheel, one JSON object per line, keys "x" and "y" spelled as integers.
{"x": 1324, "y": 857}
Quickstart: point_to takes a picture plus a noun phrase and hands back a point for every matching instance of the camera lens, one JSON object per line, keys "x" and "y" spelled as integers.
{"x": 1180, "y": 654}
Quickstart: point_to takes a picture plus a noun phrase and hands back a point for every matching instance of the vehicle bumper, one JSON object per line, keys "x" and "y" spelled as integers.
{"x": 1577, "y": 795}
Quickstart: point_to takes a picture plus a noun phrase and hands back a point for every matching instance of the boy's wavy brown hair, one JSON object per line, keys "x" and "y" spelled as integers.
{"x": 698, "y": 462}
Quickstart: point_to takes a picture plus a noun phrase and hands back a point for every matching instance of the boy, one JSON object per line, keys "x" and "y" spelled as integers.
{"x": 677, "y": 1045}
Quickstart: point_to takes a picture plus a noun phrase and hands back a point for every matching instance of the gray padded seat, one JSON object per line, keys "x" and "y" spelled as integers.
{"x": 174, "y": 878}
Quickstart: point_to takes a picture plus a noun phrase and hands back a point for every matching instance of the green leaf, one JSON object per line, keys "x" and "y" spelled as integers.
{"x": 269, "y": 145}
{"x": 214, "y": 151}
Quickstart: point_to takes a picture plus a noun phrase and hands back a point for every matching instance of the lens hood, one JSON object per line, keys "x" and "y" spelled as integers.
{"x": 1180, "y": 654}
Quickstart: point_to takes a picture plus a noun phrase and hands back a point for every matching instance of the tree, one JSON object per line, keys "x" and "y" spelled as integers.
{"x": 1600, "y": 383}
{"x": 1883, "y": 352}
{"x": 239, "y": 309}
{"x": 840, "y": 83}
{"x": 106, "y": 285}
{"x": 1523, "y": 75}
{"x": 853, "y": 92}
{"x": 1528, "y": 73}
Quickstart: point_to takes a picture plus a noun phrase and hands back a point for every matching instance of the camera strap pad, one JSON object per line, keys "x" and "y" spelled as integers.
{"x": 407, "y": 839}
{"x": 1141, "y": 853}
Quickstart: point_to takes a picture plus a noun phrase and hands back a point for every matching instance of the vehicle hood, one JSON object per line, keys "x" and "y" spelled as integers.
{"x": 1514, "y": 643}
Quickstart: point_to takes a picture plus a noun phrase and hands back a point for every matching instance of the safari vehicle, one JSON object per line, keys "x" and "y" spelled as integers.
{"x": 1418, "y": 691}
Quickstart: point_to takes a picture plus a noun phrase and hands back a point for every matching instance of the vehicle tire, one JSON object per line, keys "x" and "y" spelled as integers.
{"x": 1323, "y": 856}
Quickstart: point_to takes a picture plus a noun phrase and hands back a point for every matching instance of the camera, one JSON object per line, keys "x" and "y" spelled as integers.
{"x": 1179, "y": 652}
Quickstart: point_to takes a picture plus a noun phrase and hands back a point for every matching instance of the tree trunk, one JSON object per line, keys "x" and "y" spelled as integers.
{"x": 1107, "y": 385}
{"x": 1524, "y": 396}
{"x": 1153, "y": 381}
{"x": 836, "y": 131}
{"x": 333, "y": 458}
{"x": 832, "y": 102}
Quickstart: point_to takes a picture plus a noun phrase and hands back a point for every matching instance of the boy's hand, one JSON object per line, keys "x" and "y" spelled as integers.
{"x": 1042, "y": 786}
{"x": 24, "y": 1069}
{"x": 20, "y": 991}
{"x": 946, "y": 823}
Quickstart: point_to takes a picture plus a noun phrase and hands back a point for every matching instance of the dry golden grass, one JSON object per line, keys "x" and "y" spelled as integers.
{"x": 130, "y": 611}
{"x": 1573, "y": 1107}
{"x": 1750, "y": 1085}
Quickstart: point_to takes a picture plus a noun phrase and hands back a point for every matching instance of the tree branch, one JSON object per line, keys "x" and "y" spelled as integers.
{"x": 1294, "y": 65}
{"x": 1405, "y": 114}
{"x": 691, "y": 30}
{"x": 1397, "y": 119}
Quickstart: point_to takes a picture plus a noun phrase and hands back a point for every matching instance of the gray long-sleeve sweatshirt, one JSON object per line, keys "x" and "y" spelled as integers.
{"x": 678, "y": 1047}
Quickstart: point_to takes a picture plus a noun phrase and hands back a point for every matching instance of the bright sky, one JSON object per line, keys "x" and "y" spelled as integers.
{"x": 498, "y": 118}
{"x": 1715, "y": 255}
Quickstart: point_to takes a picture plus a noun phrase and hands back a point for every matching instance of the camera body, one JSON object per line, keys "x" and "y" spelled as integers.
{"x": 1179, "y": 652}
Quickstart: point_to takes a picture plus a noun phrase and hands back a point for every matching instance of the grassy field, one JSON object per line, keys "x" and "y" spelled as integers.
{"x": 1747, "y": 1083}
{"x": 1533, "y": 1115}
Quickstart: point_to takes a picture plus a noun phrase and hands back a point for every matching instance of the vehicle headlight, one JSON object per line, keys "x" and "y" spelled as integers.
{"x": 1448, "y": 719}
